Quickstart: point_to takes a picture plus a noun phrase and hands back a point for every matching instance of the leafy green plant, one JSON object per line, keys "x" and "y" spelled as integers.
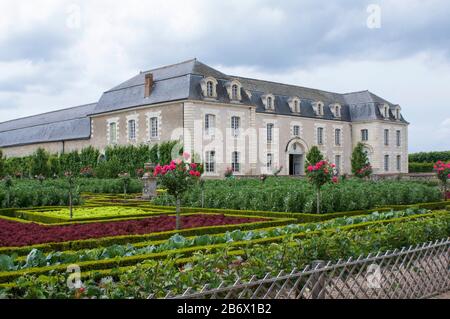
{"x": 40, "y": 163}
{"x": 360, "y": 162}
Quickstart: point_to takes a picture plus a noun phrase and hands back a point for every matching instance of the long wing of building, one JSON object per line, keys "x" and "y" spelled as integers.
{"x": 149, "y": 107}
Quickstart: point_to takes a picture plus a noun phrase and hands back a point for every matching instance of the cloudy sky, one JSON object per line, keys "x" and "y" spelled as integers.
{"x": 57, "y": 53}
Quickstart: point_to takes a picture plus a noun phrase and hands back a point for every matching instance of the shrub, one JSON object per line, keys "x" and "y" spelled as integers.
{"x": 415, "y": 167}
{"x": 429, "y": 157}
{"x": 314, "y": 156}
{"x": 360, "y": 162}
{"x": 2, "y": 165}
{"x": 40, "y": 163}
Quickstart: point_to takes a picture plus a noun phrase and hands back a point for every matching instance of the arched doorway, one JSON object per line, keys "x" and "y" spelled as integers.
{"x": 295, "y": 156}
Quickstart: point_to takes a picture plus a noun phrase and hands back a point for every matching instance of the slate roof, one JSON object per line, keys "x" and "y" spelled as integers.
{"x": 67, "y": 124}
{"x": 182, "y": 82}
{"x": 179, "y": 82}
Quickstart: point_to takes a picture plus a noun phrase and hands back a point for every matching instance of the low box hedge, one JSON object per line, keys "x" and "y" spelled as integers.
{"x": 133, "y": 260}
{"x": 130, "y": 239}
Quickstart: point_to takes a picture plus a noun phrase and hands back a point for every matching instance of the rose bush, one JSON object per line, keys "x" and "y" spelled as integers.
{"x": 177, "y": 178}
{"x": 320, "y": 174}
{"x": 443, "y": 174}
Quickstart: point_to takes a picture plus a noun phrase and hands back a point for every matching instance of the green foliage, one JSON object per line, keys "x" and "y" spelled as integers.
{"x": 32, "y": 193}
{"x": 295, "y": 195}
{"x": 2, "y": 165}
{"x": 40, "y": 163}
{"x": 178, "y": 242}
{"x": 360, "y": 162}
{"x": 158, "y": 277}
{"x": 118, "y": 159}
{"x": 314, "y": 156}
{"x": 415, "y": 167}
{"x": 429, "y": 157}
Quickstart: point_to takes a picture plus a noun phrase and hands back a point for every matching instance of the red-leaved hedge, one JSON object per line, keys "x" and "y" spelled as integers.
{"x": 15, "y": 234}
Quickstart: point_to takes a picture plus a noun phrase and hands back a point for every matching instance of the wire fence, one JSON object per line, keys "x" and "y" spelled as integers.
{"x": 415, "y": 272}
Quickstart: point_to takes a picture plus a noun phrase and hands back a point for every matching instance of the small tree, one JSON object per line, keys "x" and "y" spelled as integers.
{"x": 443, "y": 174}
{"x": 177, "y": 177}
{"x": 8, "y": 184}
{"x": 314, "y": 156}
{"x": 2, "y": 165}
{"x": 39, "y": 163}
{"x": 360, "y": 162}
{"x": 71, "y": 181}
{"x": 320, "y": 174}
{"x": 126, "y": 179}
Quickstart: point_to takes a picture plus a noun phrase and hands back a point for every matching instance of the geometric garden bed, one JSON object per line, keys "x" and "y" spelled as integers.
{"x": 17, "y": 234}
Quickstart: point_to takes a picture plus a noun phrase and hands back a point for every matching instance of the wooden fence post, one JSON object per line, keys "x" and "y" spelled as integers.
{"x": 318, "y": 281}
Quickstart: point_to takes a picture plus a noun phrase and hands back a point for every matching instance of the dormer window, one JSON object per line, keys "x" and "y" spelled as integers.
{"x": 209, "y": 87}
{"x": 385, "y": 111}
{"x": 398, "y": 114}
{"x": 294, "y": 104}
{"x": 318, "y": 108}
{"x": 234, "y": 90}
{"x": 336, "y": 110}
{"x": 269, "y": 101}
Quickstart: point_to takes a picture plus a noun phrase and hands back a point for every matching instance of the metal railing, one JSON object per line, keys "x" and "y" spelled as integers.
{"x": 414, "y": 272}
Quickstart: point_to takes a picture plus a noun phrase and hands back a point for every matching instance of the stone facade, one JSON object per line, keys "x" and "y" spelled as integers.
{"x": 277, "y": 123}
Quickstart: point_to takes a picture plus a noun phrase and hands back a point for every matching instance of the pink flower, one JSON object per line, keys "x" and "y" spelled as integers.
{"x": 178, "y": 161}
{"x": 335, "y": 179}
{"x": 310, "y": 168}
{"x": 186, "y": 155}
{"x": 193, "y": 166}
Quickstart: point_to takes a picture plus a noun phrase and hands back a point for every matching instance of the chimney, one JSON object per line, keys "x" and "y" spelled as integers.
{"x": 148, "y": 84}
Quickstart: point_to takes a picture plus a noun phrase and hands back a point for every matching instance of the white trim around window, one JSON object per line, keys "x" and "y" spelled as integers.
{"x": 154, "y": 125}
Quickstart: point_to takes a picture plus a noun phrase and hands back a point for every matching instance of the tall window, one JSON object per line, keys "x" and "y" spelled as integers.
{"x": 210, "y": 163}
{"x": 386, "y": 137}
{"x": 296, "y": 106}
{"x": 296, "y": 130}
{"x": 113, "y": 132}
{"x": 364, "y": 135}
{"x": 210, "y": 89}
{"x": 132, "y": 130}
{"x": 337, "y": 137}
{"x": 235, "y": 165}
{"x": 320, "y": 135}
{"x": 399, "y": 138}
{"x": 154, "y": 127}
{"x": 337, "y": 111}
{"x": 270, "y": 132}
{"x": 386, "y": 112}
{"x": 399, "y": 163}
{"x": 269, "y": 161}
{"x": 235, "y": 125}
{"x": 397, "y": 114}
{"x": 386, "y": 163}
{"x": 337, "y": 162}
{"x": 270, "y": 103}
{"x": 234, "y": 92}
{"x": 319, "y": 109}
{"x": 210, "y": 124}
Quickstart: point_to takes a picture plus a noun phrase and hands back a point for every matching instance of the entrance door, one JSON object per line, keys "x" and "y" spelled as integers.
{"x": 295, "y": 164}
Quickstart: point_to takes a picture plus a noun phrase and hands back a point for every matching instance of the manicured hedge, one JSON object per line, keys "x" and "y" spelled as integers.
{"x": 108, "y": 241}
{"x": 421, "y": 167}
{"x": 429, "y": 157}
{"x": 88, "y": 267}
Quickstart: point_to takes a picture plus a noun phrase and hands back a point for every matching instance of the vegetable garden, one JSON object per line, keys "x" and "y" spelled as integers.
{"x": 200, "y": 232}
{"x": 129, "y": 248}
